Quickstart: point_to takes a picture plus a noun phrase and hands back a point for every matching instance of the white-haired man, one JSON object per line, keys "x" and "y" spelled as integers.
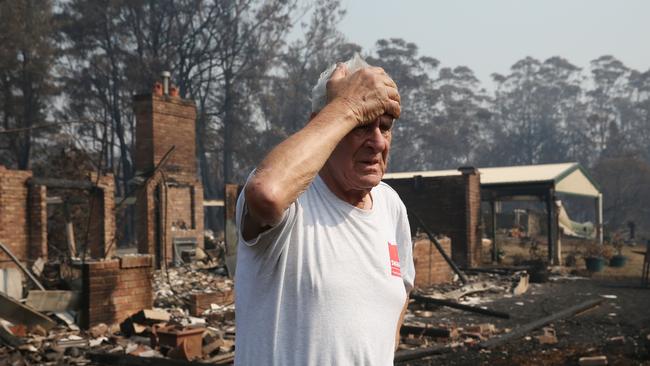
{"x": 324, "y": 262}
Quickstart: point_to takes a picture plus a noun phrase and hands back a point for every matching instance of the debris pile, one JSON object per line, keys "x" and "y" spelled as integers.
{"x": 174, "y": 287}
{"x": 193, "y": 320}
{"x": 424, "y": 327}
{"x": 449, "y": 317}
{"x": 150, "y": 333}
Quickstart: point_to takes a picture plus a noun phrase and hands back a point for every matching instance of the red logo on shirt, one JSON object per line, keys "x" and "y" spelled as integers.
{"x": 394, "y": 260}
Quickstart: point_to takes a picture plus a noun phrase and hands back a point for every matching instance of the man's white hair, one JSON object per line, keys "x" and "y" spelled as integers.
{"x": 319, "y": 92}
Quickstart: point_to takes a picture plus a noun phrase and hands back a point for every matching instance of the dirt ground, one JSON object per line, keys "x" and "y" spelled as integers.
{"x": 618, "y": 328}
{"x": 516, "y": 252}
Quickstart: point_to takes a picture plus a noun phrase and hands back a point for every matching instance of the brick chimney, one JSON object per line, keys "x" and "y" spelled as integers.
{"x": 168, "y": 210}
{"x": 162, "y": 122}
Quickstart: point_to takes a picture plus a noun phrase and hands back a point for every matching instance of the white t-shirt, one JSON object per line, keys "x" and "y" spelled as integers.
{"x": 327, "y": 285}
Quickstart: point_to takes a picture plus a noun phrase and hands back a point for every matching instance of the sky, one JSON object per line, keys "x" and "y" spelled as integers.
{"x": 491, "y": 35}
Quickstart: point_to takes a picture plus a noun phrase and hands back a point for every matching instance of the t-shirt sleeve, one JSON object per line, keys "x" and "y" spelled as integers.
{"x": 269, "y": 235}
{"x": 405, "y": 248}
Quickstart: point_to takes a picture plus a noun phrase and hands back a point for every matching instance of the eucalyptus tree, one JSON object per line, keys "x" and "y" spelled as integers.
{"x": 28, "y": 52}
{"x": 641, "y": 104}
{"x": 537, "y": 108}
{"x": 608, "y": 99}
{"x": 463, "y": 117}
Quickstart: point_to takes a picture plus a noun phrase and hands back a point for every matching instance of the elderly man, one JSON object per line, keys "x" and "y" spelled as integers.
{"x": 324, "y": 260}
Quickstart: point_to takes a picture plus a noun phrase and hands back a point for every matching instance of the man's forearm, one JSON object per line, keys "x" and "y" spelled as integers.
{"x": 291, "y": 166}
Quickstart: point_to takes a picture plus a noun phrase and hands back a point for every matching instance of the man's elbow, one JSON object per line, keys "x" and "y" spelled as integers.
{"x": 264, "y": 202}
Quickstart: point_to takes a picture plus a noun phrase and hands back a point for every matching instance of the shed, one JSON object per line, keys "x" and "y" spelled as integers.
{"x": 530, "y": 182}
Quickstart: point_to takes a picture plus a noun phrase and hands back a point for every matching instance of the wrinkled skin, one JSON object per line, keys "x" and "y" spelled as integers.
{"x": 359, "y": 161}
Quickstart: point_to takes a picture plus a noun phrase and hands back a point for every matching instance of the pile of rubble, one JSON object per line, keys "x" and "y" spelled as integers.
{"x": 423, "y": 326}
{"x": 174, "y": 287}
{"x": 430, "y": 330}
{"x": 193, "y": 320}
{"x": 151, "y": 333}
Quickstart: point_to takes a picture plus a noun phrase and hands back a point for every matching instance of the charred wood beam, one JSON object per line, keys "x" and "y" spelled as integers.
{"x": 439, "y": 247}
{"x": 486, "y": 270}
{"x": 522, "y": 330}
{"x": 455, "y": 305}
{"x": 425, "y": 331}
{"x": 21, "y": 266}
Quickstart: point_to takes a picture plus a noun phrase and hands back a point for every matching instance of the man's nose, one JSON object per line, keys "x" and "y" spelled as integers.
{"x": 376, "y": 139}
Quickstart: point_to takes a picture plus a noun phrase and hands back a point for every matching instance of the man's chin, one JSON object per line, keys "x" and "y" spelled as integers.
{"x": 370, "y": 180}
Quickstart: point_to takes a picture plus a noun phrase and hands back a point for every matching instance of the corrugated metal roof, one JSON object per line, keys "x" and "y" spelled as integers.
{"x": 525, "y": 173}
{"x": 521, "y": 174}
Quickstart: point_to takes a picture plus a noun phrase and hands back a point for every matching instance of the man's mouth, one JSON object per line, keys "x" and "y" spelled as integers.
{"x": 371, "y": 162}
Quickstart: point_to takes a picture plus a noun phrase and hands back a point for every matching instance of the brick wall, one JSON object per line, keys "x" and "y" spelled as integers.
{"x": 23, "y": 217}
{"x": 115, "y": 289}
{"x": 146, "y": 218}
{"x": 448, "y": 205}
{"x": 430, "y": 267}
{"x": 180, "y": 210}
{"x": 101, "y": 235}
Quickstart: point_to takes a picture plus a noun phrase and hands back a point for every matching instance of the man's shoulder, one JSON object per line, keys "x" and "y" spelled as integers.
{"x": 384, "y": 187}
{"x": 389, "y": 193}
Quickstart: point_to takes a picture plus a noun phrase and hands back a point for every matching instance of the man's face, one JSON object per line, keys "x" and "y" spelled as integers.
{"x": 359, "y": 160}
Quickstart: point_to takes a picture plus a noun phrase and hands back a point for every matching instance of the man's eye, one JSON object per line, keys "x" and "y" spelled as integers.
{"x": 385, "y": 127}
{"x": 385, "y": 123}
{"x": 363, "y": 129}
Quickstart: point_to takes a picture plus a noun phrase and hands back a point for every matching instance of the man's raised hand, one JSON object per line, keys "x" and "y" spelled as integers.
{"x": 368, "y": 93}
